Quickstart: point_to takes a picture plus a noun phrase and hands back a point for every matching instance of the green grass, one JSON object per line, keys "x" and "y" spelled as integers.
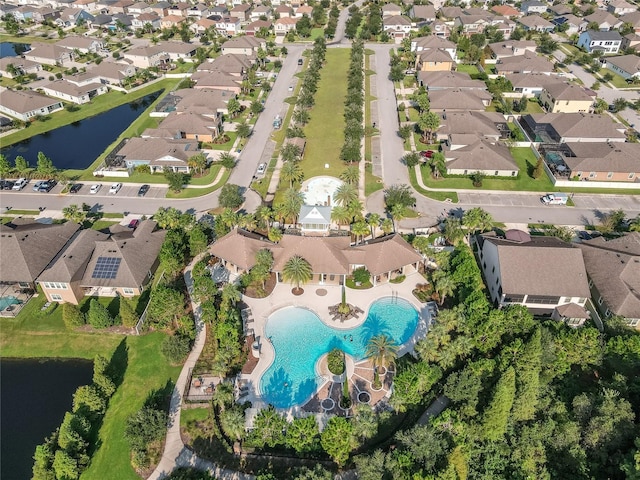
{"x": 198, "y": 192}
{"x": 224, "y": 146}
{"x": 440, "y": 196}
{"x": 325, "y": 131}
{"x": 618, "y": 81}
{"x": 316, "y": 33}
{"x": 526, "y": 161}
{"x": 413, "y": 114}
{"x": 470, "y": 69}
{"x": 102, "y": 224}
{"x": 371, "y": 182}
{"x": 17, "y": 211}
{"x": 194, "y": 415}
{"x": 533, "y": 107}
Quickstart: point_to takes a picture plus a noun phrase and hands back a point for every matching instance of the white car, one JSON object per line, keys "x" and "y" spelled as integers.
{"x": 261, "y": 168}
{"x": 95, "y": 188}
{"x": 291, "y": 88}
{"x": 115, "y": 188}
{"x": 20, "y": 184}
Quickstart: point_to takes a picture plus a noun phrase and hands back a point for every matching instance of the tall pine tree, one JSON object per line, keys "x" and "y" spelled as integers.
{"x": 496, "y": 416}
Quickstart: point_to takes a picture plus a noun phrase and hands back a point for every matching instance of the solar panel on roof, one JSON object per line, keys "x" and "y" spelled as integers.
{"x": 106, "y": 267}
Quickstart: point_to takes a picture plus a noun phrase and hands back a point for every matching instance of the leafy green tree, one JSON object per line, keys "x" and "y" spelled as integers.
{"x": 398, "y": 195}
{"x": 90, "y": 398}
{"x": 45, "y": 165}
{"x": 198, "y": 240}
{"x": 290, "y": 152}
{"x": 172, "y": 218}
{"x": 227, "y": 160}
{"x": 43, "y": 459}
{"x": 396, "y": 73}
{"x": 243, "y": 129}
{"x": 176, "y": 180}
{"x": 297, "y": 271}
{"x": 5, "y": 166}
{"x": 166, "y": 305}
{"x": 73, "y": 433}
{"x": 175, "y": 349}
{"x": 22, "y": 165}
{"x": 411, "y": 159}
{"x": 144, "y": 427}
{"x": 98, "y": 316}
{"x": 528, "y": 365}
{"x": 268, "y": 428}
{"x": 72, "y": 316}
{"x": 65, "y": 466}
{"x": 303, "y": 27}
{"x": 261, "y": 271}
{"x": 364, "y": 422}
{"x": 425, "y": 445}
{"x": 230, "y": 196}
{"x": 428, "y": 122}
{"x": 233, "y": 107}
{"x": 303, "y": 435}
{"x": 496, "y": 416}
{"x": 173, "y": 253}
{"x": 232, "y": 423}
{"x": 337, "y": 439}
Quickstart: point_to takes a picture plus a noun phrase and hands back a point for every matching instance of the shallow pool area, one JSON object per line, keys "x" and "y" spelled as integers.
{"x": 320, "y": 190}
{"x": 8, "y": 301}
{"x": 300, "y": 338}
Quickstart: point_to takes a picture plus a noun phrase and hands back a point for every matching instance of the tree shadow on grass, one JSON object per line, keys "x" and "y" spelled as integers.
{"x": 118, "y": 363}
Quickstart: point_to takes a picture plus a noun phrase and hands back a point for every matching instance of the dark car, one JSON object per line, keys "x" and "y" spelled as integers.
{"x": 6, "y": 184}
{"x": 134, "y": 223}
{"x": 427, "y": 153}
{"x": 143, "y": 190}
{"x": 45, "y": 187}
{"x": 75, "y": 188}
{"x": 582, "y": 235}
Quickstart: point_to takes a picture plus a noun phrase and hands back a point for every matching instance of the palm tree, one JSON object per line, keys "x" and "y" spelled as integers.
{"x": 197, "y": 162}
{"x": 232, "y": 423}
{"x": 293, "y": 201}
{"x": 340, "y": 215}
{"x": 445, "y": 287}
{"x": 345, "y": 194}
{"x": 229, "y": 218}
{"x": 428, "y": 123}
{"x": 297, "y": 270}
{"x": 263, "y": 216}
{"x": 74, "y": 213}
{"x": 359, "y": 229}
{"x": 397, "y": 213}
{"x": 292, "y": 172}
{"x": 355, "y": 209}
{"x": 635, "y": 225}
{"x": 373, "y": 220}
{"x": 382, "y": 350}
{"x": 223, "y": 396}
{"x": 274, "y": 235}
{"x": 290, "y": 152}
{"x": 386, "y": 226}
{"x": 230, "y": 294}
{"x": 301, "y": 116}
{"x": 351, "y": 175}
{"x": 247, "y": 221}
{"x": 477, "y": 219}
{"x": 453, "y": 230}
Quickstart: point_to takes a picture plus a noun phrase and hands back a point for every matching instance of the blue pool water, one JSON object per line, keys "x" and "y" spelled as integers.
{"x": 300, "y": 338}
{"x": 6, "y": 301}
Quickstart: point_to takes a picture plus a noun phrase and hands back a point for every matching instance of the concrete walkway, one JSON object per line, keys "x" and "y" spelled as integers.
{"x": 175, "y": 453}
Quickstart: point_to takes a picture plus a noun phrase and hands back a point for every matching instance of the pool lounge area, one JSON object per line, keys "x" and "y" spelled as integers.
{"x": 12, "y": 298}
{"x": 289, "y": 373}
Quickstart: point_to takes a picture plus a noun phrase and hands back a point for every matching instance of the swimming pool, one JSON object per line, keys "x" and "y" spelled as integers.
{"x": 300, "y": 338}
{"x": 7, "y": 301}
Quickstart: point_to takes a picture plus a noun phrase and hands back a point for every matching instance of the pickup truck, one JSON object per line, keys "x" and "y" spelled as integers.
{"x": 555, "y": 199}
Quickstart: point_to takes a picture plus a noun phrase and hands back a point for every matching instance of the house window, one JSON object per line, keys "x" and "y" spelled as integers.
{"x": 513, "y": 298}
{"x": 592, "y": 175}
{"x": 599, "y": 300}
{"x": 484, "y": 265}
{"x": 497, "y": 280}
{"x": 581, "y": 300}
{"x": 513, "y": 174}
{"x": 590, "y": 283}
{"x": 493, "y": 269}
{"x": 631, "y": 175}
{"x": 128, "y": 291}
{"x": 607, "y": 313}
{"x": 633, "y": 322}
{"x": 579, "y": 174}
{"x": 56, "y": 298}
{"x": 496, "y": 174}
{"x": 55, "y": 285}
{"x": 465, "y": 172}
{"x": 574, "y": 321}
{"x": 610, "y": 175}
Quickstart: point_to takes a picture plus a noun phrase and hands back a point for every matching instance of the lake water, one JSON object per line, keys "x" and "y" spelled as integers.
{"x": 34, "y": 394}
{"x": 10, "y": 49}
{"x": 78, "y": 145}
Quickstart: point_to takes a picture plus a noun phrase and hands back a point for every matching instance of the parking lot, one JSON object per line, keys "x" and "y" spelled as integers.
{"x": 127, "y": 190}
{"x": 581, "y": 200}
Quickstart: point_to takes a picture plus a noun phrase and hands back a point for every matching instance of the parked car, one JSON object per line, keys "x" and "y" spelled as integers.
{"x": 583, "y": 235}
{"x": 95, "y": 188}
{"x": 133, "y": 223}
{"x": 6, "y": 185}
{"x": 427, "y": 153}
{"x": 115, "y": 188}
{"x": 143, "y": 190}
{"x": 75, "y": 188}
{"x": 36, "y": 186}
{"x": 20, "y": 184}
{"x": 291, "y": 88}
{"x": 45, "y": 187}
{"x": 261, "y": 168}
{"x": 300, "y": 61}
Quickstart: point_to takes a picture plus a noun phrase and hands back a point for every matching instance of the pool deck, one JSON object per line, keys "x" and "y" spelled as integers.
{"x": 282, "y": 297}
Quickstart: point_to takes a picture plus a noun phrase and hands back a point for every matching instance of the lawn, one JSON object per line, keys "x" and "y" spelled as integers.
{"x": 371, "y": 182}
{"x": 466, "y": 68}
{"x": 618, "y": 81}
{"x": 325, "y": 131}
{"x": 33, "y": 334}
{"x": 526, "y": 161}
{"x": 440, "y": 196}
{"x": 198, "y": 192}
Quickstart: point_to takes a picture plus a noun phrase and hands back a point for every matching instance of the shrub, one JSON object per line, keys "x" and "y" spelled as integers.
{"x": 72, "y": 316}
{"x": 361, "y": 275}
{"x": 98, "y": 315}
{"x": 335, "y": 361}
{"x": 175, "y": 348}
{"x": 128, "y": 316}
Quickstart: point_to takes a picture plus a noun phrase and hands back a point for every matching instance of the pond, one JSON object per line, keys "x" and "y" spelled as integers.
{"x": 77, "y": 145}
{"x": 11, "y": 49}
{"x": 35, "y": 394}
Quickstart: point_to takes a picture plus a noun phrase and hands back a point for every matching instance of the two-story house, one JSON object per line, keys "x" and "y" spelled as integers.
{"x": 604, "y": 41}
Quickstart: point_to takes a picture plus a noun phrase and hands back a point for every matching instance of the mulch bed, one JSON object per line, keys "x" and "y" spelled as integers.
{"x": 297, "y": 291}
{"x": 254, "y": 291}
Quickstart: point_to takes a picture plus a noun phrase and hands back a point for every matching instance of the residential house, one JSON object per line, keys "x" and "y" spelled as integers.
{"x": 179, "y": 9}
{"x": 284, "y": 25}
{"x": 254, "y": 27}
{"x": 605, "y": 21}
{"x": 631, "y": 40}
{"x": 72, "y": 92}
{"x": 536, "y": 23}
{"x": 84, "y": 44}
{"x": 506, "y": 11}
{"x": 201, "y": 26}
{"x": 284, "y": 11}
{"x": 511, "y": 48}
{"x": 73, "y": 16}
{"x": 13, "y": 66}
{"x": 49, "y": 54}
{"x": 94, "y": 263}
{"x": 147, "y": 20}
{"x": 633, "y": 19}
{"x": 440, "y": 80}
{"x": 491, "y": 158}
{"x": 315, "y": 219}
{"x": 160, "y": 154}
{"x": 621, "y": 7}
{"x": 560, "y": 9}
{"x": 198, "y": 11}
{"x": 120, "y": 6}
{"x": 550, "y": 128}
{"x": 230, "y": 64}
{"x": 189, "y": 126}
{"x": 397, "y": 26}
{"x": 542, "y": 273}
{"x": 171, "y": 21}
{"x": 243, "y": 46}
{"x": 434, "y": 53}
{"x": 533, "y": 6}
{"x": 138, "y": 8}
{"x": 260, "y": 11}
{"x": 26, "y": 104}
{"x": 212, "y": 103}
{"x": 27, "y": 249}
{"x": 111, "y": 72}
{"x": 228, "y": 26}
{"x": 627, "y": 66}
{"x": 450, "y": 13}
{"x": 456, "y": 99}
{"x": 526, "y": 63}
{"x": 471, "y": 24}
{"x": 603, "y": 41}
{"x": 440, "y": 29}
{"x": 241, "y": 12}
{"x": 603, "y": 162}
{"x": 613, "y": 269}
{"x": 561, "y": 97}
{"x": 145, "y": 57}
{"x": 178, "y": 50}
{"x": 303, "y": 10}
{"x": 531, "y": 84}
{"x": 162, "y": 9}
{"x": 489, "y": 125}
{"x": 391, "y": 10}
{"x": 572, "y": 23}
{"x": 424, "y": 13}
{"x": 332, "y": 259}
